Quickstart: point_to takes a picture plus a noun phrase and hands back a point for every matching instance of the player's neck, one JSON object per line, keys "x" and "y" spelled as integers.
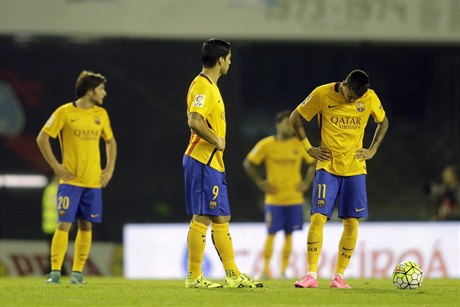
{"x": 83, "y": 103}
{"x": 283, "y": 137}
{"x": 341, "y": 89}
{"x": 212, "y": 73}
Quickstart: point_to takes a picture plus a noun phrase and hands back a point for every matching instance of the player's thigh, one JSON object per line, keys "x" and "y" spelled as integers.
{"x": 215, "y": 193}
{"x": 353, "y": 197}
{"x": 293, "y": 218}
{"x": 325, "y": 188}
{"x": 193, "y": 172}
{"x": 68, "y": 202}
{"x": 205, "y": 189}
{"x": 274, "y": 218}
{"x": 91, "y": 205}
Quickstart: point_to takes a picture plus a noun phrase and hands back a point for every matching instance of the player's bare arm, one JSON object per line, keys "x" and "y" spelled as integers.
{"x": 319, "y": 153}
{"x": 254, "y": 174}
{"x": 111, "y": 154}
{"x": 379, "y": 134}
{"x": 43, "y": 142}
{"x": 199, "y": 127}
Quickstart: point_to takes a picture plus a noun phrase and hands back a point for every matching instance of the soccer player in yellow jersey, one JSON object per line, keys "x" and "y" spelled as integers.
{"x": 343, "y": 109}
{"x": 204, "y": 171}
{"x": 283, "y": 157}
{"x": 79, "y": 126}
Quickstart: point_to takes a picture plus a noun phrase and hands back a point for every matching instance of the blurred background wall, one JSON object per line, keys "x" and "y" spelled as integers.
{"x": 282, "y": 50}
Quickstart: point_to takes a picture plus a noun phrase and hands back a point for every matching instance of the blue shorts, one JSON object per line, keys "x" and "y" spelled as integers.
{"x": 349, "y": 193}
{"x": 77, "y": 202}
{"x": 288, "y": 218}
{"x": 205, "y": 189}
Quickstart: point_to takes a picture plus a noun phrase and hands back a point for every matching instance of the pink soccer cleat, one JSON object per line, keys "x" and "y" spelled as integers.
{"x": 338, "y": 282}
{"x": 307, "y": 282}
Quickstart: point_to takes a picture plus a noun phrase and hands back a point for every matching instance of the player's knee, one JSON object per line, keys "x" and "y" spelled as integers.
{"x": 351, "y": 224}
{"x": 85, "y": 225}
{"x": 221, "y": 219}
{"x": 64, "y": 226}
{"x": 203, "y": 219}
{"x": 318, "y": 218}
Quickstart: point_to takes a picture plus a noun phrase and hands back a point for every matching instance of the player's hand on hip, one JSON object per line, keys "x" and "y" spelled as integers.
{"x": 266, "y": 186}
{"x": 365, "y": 154}
{"x": 303, "y": 186}
{"x": 320, "y": 153}
{"x": 220, "y": 144}
{"x": 63, "y": 173}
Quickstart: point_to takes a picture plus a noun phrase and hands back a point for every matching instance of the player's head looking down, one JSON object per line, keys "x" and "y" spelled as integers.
{"x": 355, "y": 85}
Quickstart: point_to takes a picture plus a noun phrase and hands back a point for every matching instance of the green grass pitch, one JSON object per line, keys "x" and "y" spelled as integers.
{"x": 108, "y": 291}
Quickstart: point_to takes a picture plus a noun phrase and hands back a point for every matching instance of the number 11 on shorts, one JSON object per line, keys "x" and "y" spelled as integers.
{"x": 322, "y": 190}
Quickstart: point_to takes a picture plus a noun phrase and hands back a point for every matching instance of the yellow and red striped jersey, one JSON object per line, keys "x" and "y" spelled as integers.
{"x": 204, "y": 97}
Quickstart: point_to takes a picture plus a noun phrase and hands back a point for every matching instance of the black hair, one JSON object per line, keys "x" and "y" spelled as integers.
{"x": 212, "y": 50}
{"x": 358, "y": 81}
{"x": 282, "y": 115}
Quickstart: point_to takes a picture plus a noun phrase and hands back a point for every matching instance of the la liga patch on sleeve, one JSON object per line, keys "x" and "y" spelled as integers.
{"x": 199, "y": 100}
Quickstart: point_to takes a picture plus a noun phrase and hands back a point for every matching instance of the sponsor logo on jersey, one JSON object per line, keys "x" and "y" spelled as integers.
{"x": 347, "y": 122}
{"x": 87, "y": 134}
{"x": 199, "y": 101}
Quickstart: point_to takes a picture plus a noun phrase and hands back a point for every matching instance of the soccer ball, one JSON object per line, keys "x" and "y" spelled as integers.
{"x": 407, "y": 275}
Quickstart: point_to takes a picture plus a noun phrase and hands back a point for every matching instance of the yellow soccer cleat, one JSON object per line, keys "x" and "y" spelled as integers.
{"x": 243, "y": 281}
{"x": 201, "y": 282}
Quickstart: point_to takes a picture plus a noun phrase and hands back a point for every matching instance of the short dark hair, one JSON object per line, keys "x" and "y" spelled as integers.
{"x": 282, "y": 115}
{"x": 86, "y": 81}
{"x": 358, "y": 81}
{"x": 212, "y": 50}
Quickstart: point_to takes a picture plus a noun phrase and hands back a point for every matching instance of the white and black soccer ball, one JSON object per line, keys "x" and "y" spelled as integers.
{"x": 407, "y": 276}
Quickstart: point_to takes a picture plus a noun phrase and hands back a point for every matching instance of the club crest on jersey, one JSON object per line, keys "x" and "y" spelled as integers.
{"x": 97, "y": 120}
{"x": 360, "y": 106}
{"x": 213, "y": 204}
{"x": 199, "y": 101}
{"x": 321, "y": 203}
